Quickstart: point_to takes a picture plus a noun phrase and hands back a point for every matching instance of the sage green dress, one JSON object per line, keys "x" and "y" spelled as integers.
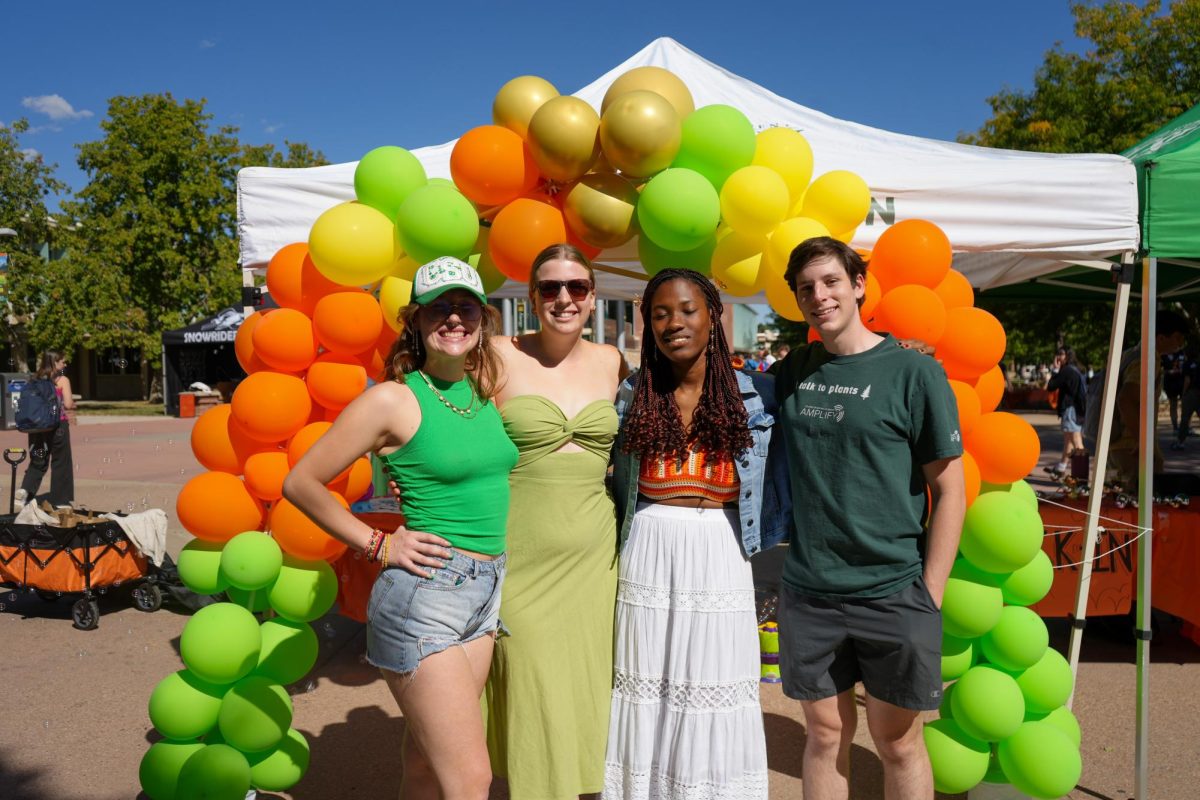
{"x": 550, "y": 688}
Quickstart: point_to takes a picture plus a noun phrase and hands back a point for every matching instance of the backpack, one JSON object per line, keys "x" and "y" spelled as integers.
{"x": 38, "y": 409}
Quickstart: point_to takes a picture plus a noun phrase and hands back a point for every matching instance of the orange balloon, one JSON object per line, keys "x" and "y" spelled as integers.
{"x": 356, "y": 481}
{"x": 349, "y": 322}
{"x": 216, "y": 506}
{"x": 271, "y": 407}
{"x": 294, "y": 281}
{"x": 305, "y": 438}
{"x": 968, "y": 405}
{"x": 1005, "y": 447}
{"x": 870, "y": 299}
{"x": 955, "y": 290}
{"x": 990, "y": 388}
{"x": 974, "y": 341}
{"x": 492, "y": 165}
{"x": 220, "y": 444}
{"x": 813, "y": 336}
{"x": 285, "y": 340}
{"x": 971, "y": 477}
{"x": 522, "y": 229}
{"x": 911, "y": 312}
{"x": 383, "y": 345}
{"x": 588, "y": 250}
{"x": 300, "y": 536}
{"x": 243, "y": 342}
{"x": 373, "y": 363}
{"x": 911, "y": 251}
{"x": 265, "y": 473}
{"x": 334, "y": 380}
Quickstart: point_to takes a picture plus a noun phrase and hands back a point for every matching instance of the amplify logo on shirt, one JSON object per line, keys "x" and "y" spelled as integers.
{"x": 820, "y": 412}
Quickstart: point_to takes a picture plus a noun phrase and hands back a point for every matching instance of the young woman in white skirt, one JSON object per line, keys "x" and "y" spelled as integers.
{"x": 696, "y": 496}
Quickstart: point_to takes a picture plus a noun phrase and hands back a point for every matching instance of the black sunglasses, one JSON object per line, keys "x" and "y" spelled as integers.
{"x": 577, "y": 288}
{"x": 467, "y": 312}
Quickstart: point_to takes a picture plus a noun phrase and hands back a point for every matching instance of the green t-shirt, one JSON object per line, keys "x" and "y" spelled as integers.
{"x": 858, "y": 429}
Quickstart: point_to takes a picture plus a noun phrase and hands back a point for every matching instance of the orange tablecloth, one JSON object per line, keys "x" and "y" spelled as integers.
{"x": 1176, "y": 559}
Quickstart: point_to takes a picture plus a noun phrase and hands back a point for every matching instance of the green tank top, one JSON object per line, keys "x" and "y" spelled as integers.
{"x": 453, "y": 473}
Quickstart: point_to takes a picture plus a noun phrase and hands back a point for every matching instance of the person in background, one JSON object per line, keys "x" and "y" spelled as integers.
{"x": 1190, "y": 398}
{"x": 781, "y": 352}
{"x": 434, "y": 610}
{"x": 52, "y": 448}
{"x": 765, "y": 359}
{"x": 1067, "y": 379}
{"x": 1172, "y": 384}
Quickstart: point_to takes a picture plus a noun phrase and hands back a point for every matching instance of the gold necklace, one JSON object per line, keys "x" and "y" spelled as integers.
{"x": 466, "y": 413}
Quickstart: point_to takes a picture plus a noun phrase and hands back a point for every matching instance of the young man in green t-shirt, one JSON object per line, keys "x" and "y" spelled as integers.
{"x": 869, "y": 427}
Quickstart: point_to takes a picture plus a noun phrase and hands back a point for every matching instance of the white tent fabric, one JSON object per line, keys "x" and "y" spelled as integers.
{"x": 1011, "y": 216}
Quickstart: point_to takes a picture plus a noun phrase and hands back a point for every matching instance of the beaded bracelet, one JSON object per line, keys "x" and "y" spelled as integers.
{"x": 371, "y": 549}
{"x": 387, "y": 543}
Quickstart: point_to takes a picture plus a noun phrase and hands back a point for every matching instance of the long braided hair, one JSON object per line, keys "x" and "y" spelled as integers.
{"x": 653, "y": 425}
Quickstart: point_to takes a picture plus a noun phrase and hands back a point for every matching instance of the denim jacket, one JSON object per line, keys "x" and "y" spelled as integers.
{"x": 765, "y": 504}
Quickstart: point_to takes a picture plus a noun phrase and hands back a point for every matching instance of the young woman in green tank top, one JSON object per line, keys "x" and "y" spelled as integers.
{"x": 434, "y": 611}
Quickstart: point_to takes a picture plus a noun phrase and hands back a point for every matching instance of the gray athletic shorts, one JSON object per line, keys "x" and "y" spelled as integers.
{"x": 892, "y": 644}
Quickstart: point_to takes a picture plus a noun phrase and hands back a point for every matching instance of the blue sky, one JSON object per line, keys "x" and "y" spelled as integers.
{"x": 347, "y": 77}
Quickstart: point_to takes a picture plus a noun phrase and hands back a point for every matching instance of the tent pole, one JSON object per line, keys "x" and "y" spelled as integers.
{"x": 1124, "y": 277}
{"x": 1146, "y": 443}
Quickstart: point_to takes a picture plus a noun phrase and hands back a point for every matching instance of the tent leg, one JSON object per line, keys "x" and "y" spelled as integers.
{"x": 1146, "y": 443}
{"x": 506, "y": 316}
{"x": 1099, "y": 467}
{"x": 598, "y": 319}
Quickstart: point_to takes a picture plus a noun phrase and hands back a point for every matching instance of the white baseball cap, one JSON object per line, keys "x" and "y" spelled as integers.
{"x": 443, "y": 274}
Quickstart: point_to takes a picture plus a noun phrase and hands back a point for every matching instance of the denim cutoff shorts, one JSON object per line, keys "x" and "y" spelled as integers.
{"x": 1070, "y": 424}
{"x": 410, "y": 618}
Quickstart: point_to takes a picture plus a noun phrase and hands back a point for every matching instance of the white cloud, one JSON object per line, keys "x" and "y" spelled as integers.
{"x": 55, "y": 107}
{"x": 205, "y": 44}
{"x": 272, "y": 127}
{"x": 31, "y": 154}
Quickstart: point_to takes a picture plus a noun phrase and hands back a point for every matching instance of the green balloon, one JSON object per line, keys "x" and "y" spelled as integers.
{"x": 958, "y": 656}
{"x": 679, "y": 210}
{"x": 437, "y": 221}
{"x": 655, "y": 259}
{"x": 199, "y": 566}
{"x": 442, "y": 182}
{"x": 987, "y": 703}
{"x": 282, "y": 768}
{"x": 971, "y": 603}
{"x": 1040, "y": 760}
{"x": 184, "y": 707}
{"x": 220, "y": 643}
{"x": 386, "y": 176}
{"x": 1030, "y": 583}
{"x": 959, "y": 760}
{"x": 1017, "y": 641}
{"x": 255, "y": 714}
{"x": 995, "y": 772}
{"x": 255, "y": 600}
{"x": 289, "y": 650}
{"x": 251, "y": 560}
{"x": 717, "y": 141}
{"x": 1061, "y": 718}
{"x": 1019, "y": 489}
{"x": 1047, "y": 684}
{"x": 946, "y": 707}
{"x": 1001, "y": 533}
{"x": 304, "y": 590}
{"x": 216, "y": 772}
{"x": 160, "y": 767}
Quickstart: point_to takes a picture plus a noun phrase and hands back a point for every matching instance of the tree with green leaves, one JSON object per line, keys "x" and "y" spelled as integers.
{"x": 25, "y": 183}
{"x": 154, "y": 245}
{"x": 1141, "y": 69}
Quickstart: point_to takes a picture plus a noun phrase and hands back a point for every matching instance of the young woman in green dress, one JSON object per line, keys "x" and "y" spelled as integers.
{"x": 548, "y": 693}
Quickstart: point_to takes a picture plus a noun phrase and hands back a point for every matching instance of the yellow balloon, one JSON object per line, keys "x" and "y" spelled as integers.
{"x": 839, "y": 200}
{"x": 562, "y": 138}
{"x": 781, "y": 298}
{"x": 652, "y": 79}
{"x": 517, "y": 101}
{"x": 845, "y": 237}
{"x": 353, "y": 244}
{"x": 481, "y": 260}
{"x": 784, "y": 239}
{"x": 640, "y": 133}
{"x": 788, "y": 153}
{"x": 754, "y": 200}
{"x": 600, "y": 209}
{"x": 737, "y": 263}
{"x": 394, "y": 294}
{"x": 406, "y": 268}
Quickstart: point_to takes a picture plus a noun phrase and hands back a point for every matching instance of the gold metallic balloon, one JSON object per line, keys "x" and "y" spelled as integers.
{"x": 517, "y": 101}
{"x": 640, "y": 133}
{"x": 600, "y": 209}
{"x": 562, "y": 138}
{"x": 652, "y": 79}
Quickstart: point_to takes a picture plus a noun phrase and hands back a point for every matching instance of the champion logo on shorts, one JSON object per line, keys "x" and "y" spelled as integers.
{"x": 936, "y": 693}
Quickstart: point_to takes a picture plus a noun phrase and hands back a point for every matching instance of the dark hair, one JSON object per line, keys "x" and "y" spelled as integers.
{"x": 46, "y": 362}
{"x": 653, "y": 425}
{"x": 1169, "y": 323}
{"x": 556, "y": 252}
{"x": 408, "y": 352}
{"x": 1072, "y": 359}
{"x": 825, "y": 247}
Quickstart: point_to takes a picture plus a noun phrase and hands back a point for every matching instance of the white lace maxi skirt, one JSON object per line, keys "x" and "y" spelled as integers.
{"x": 686, "y": 722}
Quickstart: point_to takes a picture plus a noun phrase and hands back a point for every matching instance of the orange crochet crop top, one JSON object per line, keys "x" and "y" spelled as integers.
{"x": 698, "y": 475}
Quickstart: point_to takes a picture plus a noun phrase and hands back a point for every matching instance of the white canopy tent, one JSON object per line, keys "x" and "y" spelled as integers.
{"x": 1010, "y": 215}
